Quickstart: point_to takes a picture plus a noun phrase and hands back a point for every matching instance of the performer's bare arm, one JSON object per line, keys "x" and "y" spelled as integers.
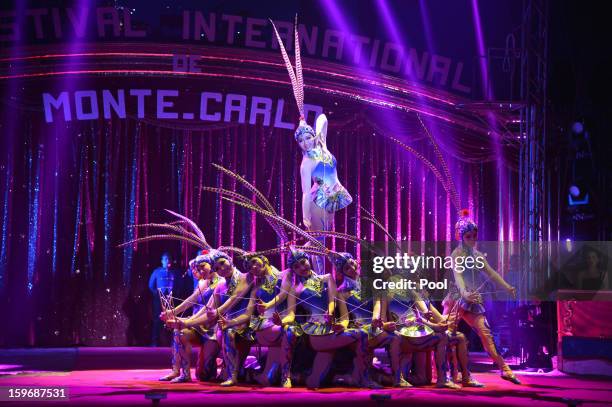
{"x": 331, "y": 294}
{"x": 379, "y": 315}
{"x": 201, "y": 317}
{"x": 343, "y": 310}
{"x": 376, "y": 310}
{"x": 191, "y": 300}
{"x": 241, "y": 292}
{"x": 290, "y": 316}
{"x": 244, "y": 317}
{"x": 305, "y": 174}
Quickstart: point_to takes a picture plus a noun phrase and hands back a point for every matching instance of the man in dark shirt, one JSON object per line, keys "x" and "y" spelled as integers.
{"x": 162, "y": 278}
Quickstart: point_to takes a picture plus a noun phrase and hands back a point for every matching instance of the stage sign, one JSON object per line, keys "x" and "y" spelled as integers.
{"x": 444, "y": 57}
{"x": 161, "y": 104}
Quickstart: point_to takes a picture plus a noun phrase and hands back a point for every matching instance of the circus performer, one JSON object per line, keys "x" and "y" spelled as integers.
{"x": 202, "y": 334}
{"x": 228, "y": 295}
{"x": 227, "y": 302}
{"x": 231, "y": 295}
{"x": 322, "y": 192}
{"x": 355, "y": 313}
{"x": 268, "y": 294}
{"x": 457, "y": 348}
{"x": 464, "y": 299}
{"x": 317, "y": 293}
{"x": 402, "y": 312}
{"x": 199, "y": 327}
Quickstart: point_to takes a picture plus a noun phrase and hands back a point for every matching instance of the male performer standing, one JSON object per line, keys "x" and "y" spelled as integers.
{"x": 162, "y": 278}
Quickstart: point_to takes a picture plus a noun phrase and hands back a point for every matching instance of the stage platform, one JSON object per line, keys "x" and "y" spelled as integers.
{"x": 100, "y": 358}
{"x": 128, "y": 388}
{"x": 103, "y": 385}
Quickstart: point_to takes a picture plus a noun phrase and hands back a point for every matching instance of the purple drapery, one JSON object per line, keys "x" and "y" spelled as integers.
{"x": 118, "y": 172}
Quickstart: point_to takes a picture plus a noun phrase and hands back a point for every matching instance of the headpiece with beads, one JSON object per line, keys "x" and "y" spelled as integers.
{"x": 341, "y": 259}
{"x": 249, "y": 258}
{"x": 295, "y": 256}
{"x": 217, "y": 255}
{"x": 464, "y": 224}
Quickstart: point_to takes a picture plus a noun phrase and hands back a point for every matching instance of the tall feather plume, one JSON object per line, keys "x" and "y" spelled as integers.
{"x": 233, "y": 249}
{"x": 371, "y": 218}
{"x": 193, "y": 225}
{"x": 292, "y": 76}
{"x": 337, "y": 235}
{"x": 307, "y": 249}
{"x": 298, "y": 70}
{"x": 427, "y": 163}
{"x": 162, "y": 237}
{"x": 277, "y": 228}
{"x": 289, "y": 225}
{"x": 169, "y": 227}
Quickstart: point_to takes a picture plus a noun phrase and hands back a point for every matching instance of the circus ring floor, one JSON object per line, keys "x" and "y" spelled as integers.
{"x": 104, "y": 386}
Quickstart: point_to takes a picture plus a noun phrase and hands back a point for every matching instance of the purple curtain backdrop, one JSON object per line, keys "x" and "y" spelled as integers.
{"x": 68, "y": 192}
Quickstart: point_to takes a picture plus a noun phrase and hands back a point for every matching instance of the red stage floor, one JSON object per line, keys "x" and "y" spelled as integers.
{"x": 127, "y": 387}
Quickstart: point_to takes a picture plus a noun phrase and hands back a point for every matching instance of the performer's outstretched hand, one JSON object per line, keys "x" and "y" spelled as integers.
{"x": 512, "y": 291}
{"x": 175, "y": 323}
{"x": 276, "y": 319}
{"x": 473, "y": 297}
{"x": 377, "y": 323}
{"x": 261, "y": 306}
{"x": 165, "y": 315}
{"x": 223, "y": 322}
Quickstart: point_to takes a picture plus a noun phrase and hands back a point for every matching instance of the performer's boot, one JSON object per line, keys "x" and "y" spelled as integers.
{"x": 176, "y": 363}
{"x": 176, "y": 358}
{"x": 231, "y": 357}
{"x": 361, "y": 372}
{"x": 288, "y": 343}
{"x": 400, "y": 363}
{"x": 207, "y": 361}
{"x": 440, "y": 356}
{"x": 508, "y": 375}
{"x": 470, "y": 382}
{"x": 183, "y": 352}
{"x": 484, "y": 332}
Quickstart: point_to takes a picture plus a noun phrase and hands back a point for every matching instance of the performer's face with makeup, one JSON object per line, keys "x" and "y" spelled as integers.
{"x": 202, "y": 271}
{"x": 257, "y": 267}
{"x": 306, "y": 141}
{"x": 302, "y": 268}
{"x": 469, "y": 238}
{"x": 223, "y": 268}
{"x": 350, "y": 269}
